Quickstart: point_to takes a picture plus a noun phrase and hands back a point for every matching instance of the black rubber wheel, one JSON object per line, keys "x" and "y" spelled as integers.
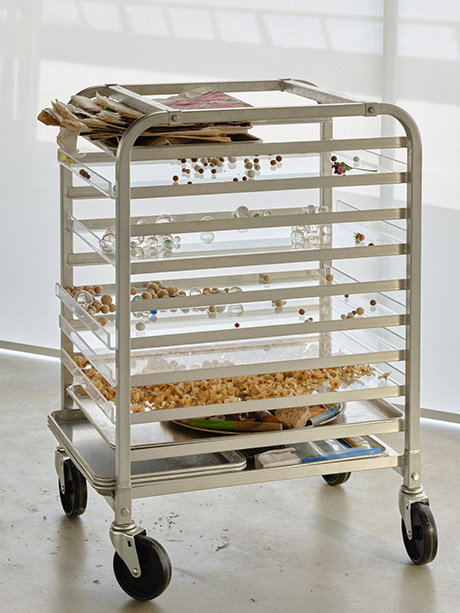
{"x": 74, "y": 498}
{"x": 423, "y": 545}
{"x": 155, "y": 570}
{"x": 337, "y": 479}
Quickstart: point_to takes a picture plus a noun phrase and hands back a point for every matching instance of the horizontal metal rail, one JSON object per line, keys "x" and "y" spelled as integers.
{"x": 226, "y": 221}
{"x": 265, "y": 475}
{"x": 248, "y": 148}
{"x": 86, "y": 192}
{"x": 285, "y": 402}
{"x": 269, "y": 367}
{"x": 273, "y": 331}
{"x": 262, "y": 295}
{"x": 173, "y": 264}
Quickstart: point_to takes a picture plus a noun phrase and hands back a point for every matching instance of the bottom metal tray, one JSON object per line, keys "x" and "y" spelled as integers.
{"x": 96, "y": 459}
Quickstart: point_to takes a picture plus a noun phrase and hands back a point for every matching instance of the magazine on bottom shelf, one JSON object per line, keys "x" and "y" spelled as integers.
{"x": 320, "y": 451}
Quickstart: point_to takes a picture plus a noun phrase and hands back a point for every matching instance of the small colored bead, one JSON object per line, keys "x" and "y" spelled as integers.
{"x": 237, "y": 325}
{"x": 245, "y": 178}
{"x": 360, "y": 310}
{"x": 102, "y": 321}
{"x": 329, "y": 277}
{"x": 347, "y": 295}
{"x": 175, "y": 178}
{"x": 251, "y": 173}
{"x": 334, "y": 158}
{"x": 256, "y": 160}
{"x": 133, "y": 291}
{"x": 266, "y": 277}
{"x": 273, "y": 162}
{"x": 106, "y": 299}
{"x": 278, "y": 158}
{"x": 302, "y": 311}
{"x": 212, "y": 309}
{"x": 373, "y": 302}
{"x": 140, "y": 325}
{"x": 235, "y": 178}
{"x": 278, "y": 303}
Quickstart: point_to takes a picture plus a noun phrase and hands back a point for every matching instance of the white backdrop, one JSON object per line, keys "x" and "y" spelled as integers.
{"x": 370, "y": 48}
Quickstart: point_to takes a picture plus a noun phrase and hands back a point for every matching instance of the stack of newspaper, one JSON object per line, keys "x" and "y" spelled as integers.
{"x": 105, "y": 119}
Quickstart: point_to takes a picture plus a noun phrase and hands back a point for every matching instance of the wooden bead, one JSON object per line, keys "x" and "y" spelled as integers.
{"x": 373, "y": 302}
{"x": 102, "y": 321}
{"x": 146, "y": 295}
{"x": 112, "y": 307}
{"x": 278, "y": 158}
{"x": 212, "y": 309}
{"x": 175, "y": 178}
{"x": 105, "y": 309}
{"x": 360, "y": 310}
{"x": 106, "y": 299}
{"x": 273, "y": 162}
{"x": 98, "y": 289}
{"x": 266, "y": 277}
{"x": 329, "y": 277}
{"x": 163, "y": 293}
{"x": 133, "y": 291}
{"x": 302, "y": 311}
{"x": 278, "y": 303}
{"x": 171, "y": 290}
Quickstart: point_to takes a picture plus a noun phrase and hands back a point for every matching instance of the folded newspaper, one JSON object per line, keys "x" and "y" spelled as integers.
{"x": 105, "y": 119}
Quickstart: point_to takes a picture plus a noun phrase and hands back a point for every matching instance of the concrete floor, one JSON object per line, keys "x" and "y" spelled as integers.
{"x": 292, "y": 546}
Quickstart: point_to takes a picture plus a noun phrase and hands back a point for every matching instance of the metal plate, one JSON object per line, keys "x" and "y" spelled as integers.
{"x": 97, "y": 460}
{"x": 339, "y": 405}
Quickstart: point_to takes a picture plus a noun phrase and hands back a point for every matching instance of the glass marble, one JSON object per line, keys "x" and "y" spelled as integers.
{"x": 207, "y": 237}
{"x": 107, "y": 244}
{"x": 137, "y": 253}
{"x": 165, "y": 219}
{"x": 84, "y": 298}
{"x": 297, "y": 238}
{"x": 242, "y": 212}
{"x": 235, "y": 309}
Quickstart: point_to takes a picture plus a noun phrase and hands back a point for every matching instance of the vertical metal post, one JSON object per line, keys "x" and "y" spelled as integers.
{"x": 412, "y": 467}
{"x": 325, "y": 311}
{"x": 123, "y": 503}
{"x": 66, "y": 204}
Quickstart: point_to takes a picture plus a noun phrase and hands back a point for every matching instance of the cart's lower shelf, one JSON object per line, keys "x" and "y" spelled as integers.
{"x": 96, "y": 460}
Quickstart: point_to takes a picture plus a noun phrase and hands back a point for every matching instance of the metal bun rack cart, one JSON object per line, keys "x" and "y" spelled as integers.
{"x": 126, "y": 455}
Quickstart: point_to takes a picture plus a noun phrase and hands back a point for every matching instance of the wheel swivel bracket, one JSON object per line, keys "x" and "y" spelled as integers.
{"x": 406, "y": 499}
{"x": 59, "y": 457}
{"x": 122, "y": 538}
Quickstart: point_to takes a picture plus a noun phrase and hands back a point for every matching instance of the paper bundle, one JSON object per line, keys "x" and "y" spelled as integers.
{"x": 105, "y": 119}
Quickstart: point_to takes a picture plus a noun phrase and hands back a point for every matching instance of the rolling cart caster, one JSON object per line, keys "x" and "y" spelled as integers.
{"x": 73, "y": 491}
{"x": 418, "y": 527}
{"x": 336, "y": 479}
{"x": 140, "y": 564}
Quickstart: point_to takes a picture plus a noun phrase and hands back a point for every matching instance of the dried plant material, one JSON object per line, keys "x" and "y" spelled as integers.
{"x": 385, "y": 376}
{"x": 230, "y": 389}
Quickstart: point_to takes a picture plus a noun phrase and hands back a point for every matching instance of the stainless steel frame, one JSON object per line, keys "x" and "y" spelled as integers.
{"x": 329, "y": 106}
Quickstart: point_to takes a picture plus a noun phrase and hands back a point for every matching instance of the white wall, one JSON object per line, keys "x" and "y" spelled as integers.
{"x": 53, "y": 48}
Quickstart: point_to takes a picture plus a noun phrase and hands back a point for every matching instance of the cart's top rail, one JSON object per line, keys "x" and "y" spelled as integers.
{"x": 138, "y": 93}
